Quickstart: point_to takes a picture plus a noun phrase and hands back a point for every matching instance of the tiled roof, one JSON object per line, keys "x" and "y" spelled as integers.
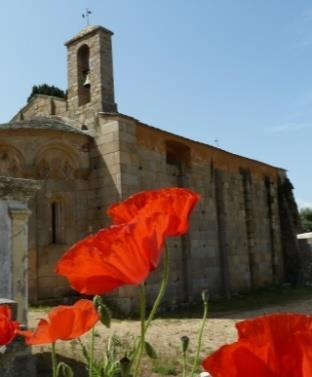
{"x": 41, "y": 123}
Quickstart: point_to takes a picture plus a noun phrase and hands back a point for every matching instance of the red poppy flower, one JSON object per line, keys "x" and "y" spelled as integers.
{"x": 127, "y": 252}
{"x": 8, "y": 327}
{"x": 63, "y": 323}
{"x": 175, "y": 202}
{"x": 277, "y": 345}
{"x": 118, "y": 255}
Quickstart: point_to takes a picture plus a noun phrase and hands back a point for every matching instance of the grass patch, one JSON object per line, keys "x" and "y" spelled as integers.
{"x": 165, "y": 368}
{"x": 40, "y": 308}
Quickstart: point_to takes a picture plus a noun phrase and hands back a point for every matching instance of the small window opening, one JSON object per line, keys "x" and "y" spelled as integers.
{"x": 177, "y": 154}
{"x": 56, "y": 224}
{"x": 84, "y": 81}
{"x": 84, "y": 127}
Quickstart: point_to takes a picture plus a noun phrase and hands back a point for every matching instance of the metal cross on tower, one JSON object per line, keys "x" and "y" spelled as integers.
{"x": 86, "y": 16}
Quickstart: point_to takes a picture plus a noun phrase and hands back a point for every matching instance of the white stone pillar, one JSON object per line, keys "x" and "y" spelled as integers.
{"x": 5, "y": 251}
{"x": 19, "y": 214}
{"x": 14, "y": 214}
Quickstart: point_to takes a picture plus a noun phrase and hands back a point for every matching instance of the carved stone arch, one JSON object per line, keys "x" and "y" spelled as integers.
{"x": 12, "y": 161}
{"x": 57, "y": 161}
{"x": 59, "y": 197}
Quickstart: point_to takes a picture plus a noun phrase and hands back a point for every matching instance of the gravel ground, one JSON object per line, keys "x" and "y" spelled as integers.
{"x": 164, "y": 335}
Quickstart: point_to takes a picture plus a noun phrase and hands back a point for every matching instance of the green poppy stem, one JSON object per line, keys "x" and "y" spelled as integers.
{"x": 200, "y": 335}
{"x": 53, "y": 359}
{"x": 91, "y": 353}
{"x": 143, "y": 328}
{"x": 184, "y": 364}
{"x": 162, "y": 288}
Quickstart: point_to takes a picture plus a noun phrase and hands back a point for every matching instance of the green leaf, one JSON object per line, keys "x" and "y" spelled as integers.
{"x": 105, "y": 314}
{"x": 84, "y": 351}
{"x": 65, "y": 369}
{"x": 150, "y": 351}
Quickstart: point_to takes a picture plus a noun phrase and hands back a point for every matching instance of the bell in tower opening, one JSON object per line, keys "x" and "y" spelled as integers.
{"x": 87, "y": 82}
{"x": 84, "y": 82}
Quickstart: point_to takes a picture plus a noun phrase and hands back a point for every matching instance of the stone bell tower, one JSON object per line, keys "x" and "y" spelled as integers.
{"x": 90, "y": 74}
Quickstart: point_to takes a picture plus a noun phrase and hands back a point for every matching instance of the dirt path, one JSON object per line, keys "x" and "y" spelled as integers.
{"x": 165, "y": 334}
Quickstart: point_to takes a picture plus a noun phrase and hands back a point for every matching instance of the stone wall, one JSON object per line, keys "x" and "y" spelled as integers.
{"x": 62, "y": 161}
{"x": 105, "y": 178}
{"x": 234, "y": 242}
{"x": 42, "y": 105}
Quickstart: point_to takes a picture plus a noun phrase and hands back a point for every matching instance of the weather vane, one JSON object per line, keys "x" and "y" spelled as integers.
{"x": 86, "y": 16}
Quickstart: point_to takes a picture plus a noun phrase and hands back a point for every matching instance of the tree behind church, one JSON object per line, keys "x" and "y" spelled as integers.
{"x": 49, "y": 90}
{"x": 306, "y": 219}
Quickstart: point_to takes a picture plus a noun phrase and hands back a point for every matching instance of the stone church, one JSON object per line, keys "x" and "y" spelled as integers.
{"x": 87, "y": 155}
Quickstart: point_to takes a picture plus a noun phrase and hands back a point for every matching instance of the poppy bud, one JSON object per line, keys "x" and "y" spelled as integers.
{"x": 97, "y": 300}
{"x": 105, "y": 315}
{"x": 205, "y": 295}
{"x": 103, "y": 310}
{"x": 185, "y": 343}
{"x": 125, "y": 365}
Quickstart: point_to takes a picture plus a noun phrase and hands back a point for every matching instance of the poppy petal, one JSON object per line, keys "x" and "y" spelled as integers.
{"x": 63, "y": 323}
{"x": 5, "y": 311}
{"x": 235, "y": 360}
{"x": 176, "y": 202}
{"x": 279, "y": 345}
{"x": 41, "y": 335}
{"x": 118, "y": 255}
{"x": 8, "y": 328}
{"x": 266, "y": 338}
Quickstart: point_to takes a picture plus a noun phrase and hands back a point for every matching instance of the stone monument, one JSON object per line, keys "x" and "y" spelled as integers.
{"x": 15, "y": 359}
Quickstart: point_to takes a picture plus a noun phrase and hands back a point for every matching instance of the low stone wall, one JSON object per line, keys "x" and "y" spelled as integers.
{"x": 305, "y": 244}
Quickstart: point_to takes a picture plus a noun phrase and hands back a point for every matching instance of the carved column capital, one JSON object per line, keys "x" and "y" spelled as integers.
{"x": 19, "y": 213}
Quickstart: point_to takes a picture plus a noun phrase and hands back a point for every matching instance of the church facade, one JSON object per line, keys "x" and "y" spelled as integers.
{"x": 88, "y": 155}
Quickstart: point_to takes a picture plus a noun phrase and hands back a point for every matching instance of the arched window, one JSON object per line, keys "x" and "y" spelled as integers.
{"x": 84, "y": 83}
{"x": 11, "y": 162}
{"x": 57, "y": 235}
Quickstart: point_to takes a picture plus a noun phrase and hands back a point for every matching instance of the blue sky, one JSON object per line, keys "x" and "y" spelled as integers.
{"x": 237, "y": 71}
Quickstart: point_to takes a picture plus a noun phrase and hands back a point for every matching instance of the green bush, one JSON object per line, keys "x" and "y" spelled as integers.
{"x": 306, "y": 219}
{"x": 50, "y": 90}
